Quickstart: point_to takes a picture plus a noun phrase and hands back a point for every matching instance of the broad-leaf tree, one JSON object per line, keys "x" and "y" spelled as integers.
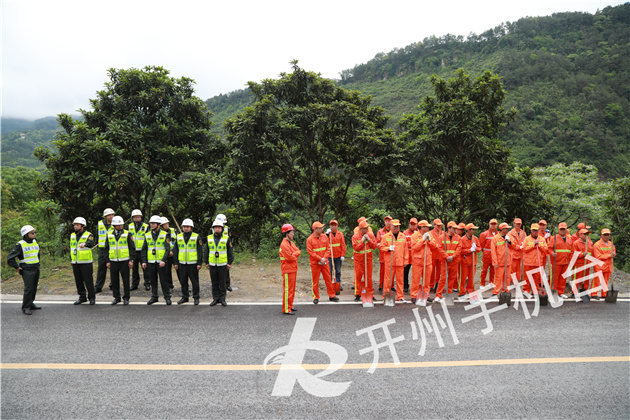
{"x": 147, "y": 136}
{"x": 303, "y": 145}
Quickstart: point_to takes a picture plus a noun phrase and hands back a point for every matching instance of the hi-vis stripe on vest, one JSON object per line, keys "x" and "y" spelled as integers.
{"x": 118, "y": 250}
{"x": 155, "y": 249}
{"x": 217, "y": 255}
{"x": 187, "y": 252}
{"x": 138, "y": 236}
{"x": 102, "y": 233}
{"x": 80, "y": 255}
{"x": 30, "y": 252}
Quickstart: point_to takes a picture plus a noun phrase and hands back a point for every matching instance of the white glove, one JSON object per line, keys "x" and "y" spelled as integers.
{"x": 547, "y": 235}
{"x": 392, "y": 247}
{"x": 343, "y": 258}
{"x": 426, "y": 236}
{"x": 366, "y": 238}
{"x": 507, "y": 238}
{"x": 328, "y": 231}
{"x": 473, "y": 248}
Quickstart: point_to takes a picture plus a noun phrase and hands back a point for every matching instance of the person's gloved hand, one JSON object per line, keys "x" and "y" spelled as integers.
{"x": 328, "y": 231}
{"x": 473, "y": 248}
{"x": 392, "y": 247}
{"x": 343, "y": 258}
{"x": 426, "y": 236}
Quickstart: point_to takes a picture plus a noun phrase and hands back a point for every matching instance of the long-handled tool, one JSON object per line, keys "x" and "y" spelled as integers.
{"x": 544, "y": 299}
{"x": 333, "y": 270}
{"x": 611, "y": 295}
{"x": 447, "y": 297}
{"x": 504, "y": 295}
{"x": 474, "y": 296}
{"x": 390, "y": 298}
{"x": 422, "y": 295}
{"x": 554, "y": 292}
{"x": 586, "y": 297}
{"x": 365, "y": 299}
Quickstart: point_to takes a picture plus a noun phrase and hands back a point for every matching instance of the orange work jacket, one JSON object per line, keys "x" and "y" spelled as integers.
{"x": 359, "y": 248}
{"x": 317, "y": 248}
{"x": 400, "y": 253}
{"x": 289, "y": 254}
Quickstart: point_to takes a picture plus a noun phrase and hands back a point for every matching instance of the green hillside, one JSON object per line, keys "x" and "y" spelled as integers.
{"x": 567, "y": 74}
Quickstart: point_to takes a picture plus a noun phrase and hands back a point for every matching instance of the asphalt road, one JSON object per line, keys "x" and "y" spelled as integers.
{"x": 206, "y": 362}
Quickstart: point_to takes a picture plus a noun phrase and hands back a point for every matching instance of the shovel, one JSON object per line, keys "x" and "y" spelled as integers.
{"x": 504, "y": 295}
{"x": 586, "y": 298}
{"x": 448, "y": 300}
{"x": 422, "y": 295}
{"x": 611, "y": 295}
{"x": 390, "y": 298}
{"x": 365, "y": 299}
{"x": 542, "y": 294}
{"x": 554, "y": 292}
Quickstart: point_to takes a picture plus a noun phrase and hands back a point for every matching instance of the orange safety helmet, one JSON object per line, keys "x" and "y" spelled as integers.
{"x": 287, "y": 227}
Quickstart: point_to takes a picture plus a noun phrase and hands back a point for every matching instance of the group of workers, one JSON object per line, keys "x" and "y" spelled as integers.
{"x": 445, "y": 260}
{"x": 122, "y": 249}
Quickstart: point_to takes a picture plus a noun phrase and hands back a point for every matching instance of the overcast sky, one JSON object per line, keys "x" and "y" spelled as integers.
{"x": 55, "y": 53}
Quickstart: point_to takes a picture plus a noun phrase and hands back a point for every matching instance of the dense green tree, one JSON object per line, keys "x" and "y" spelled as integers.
{"x": 18, "y": 187}
{"x": 303, "y": 145}
{"x": 449, "y": 150}
{"x": 145, "y": 144}
{"x": 618, "y": 206}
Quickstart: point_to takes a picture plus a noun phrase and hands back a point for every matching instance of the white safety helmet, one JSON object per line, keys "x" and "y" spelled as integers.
{"x": 164, "y": 220}
{"x": 217, "y": 222}
{"x": 26, "y": 229}
{"x": 155, "y": 219}
{"x": 80, "y": 220}
{"x": 117, "y": 220}
{"x": 107, "y": 212}
{"x": 188, "y": 222}
{"x": 136, "y": 212}
{"x": 222, "y": 218}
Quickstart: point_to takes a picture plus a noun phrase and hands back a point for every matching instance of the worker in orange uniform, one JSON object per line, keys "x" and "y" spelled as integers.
{"x": 450, "y": 251}
{"x": 584, "y": 246}
{"x": 381, "y": 258}
{"x": 560, "y": 247}
{"x": 338, "y": 246}
{"x": 576, "y": 235}
{"x": 363, "y": 243}
{"x": 413, "y": 227}
{"x": 289, "y": 254}
{"x": 394, "y": 245}
{"x": 318, "y": 249}
{"x": 436, "y": 234}
{"x": 534, "y": 248}
{"x": 518, "y": 236}
{"x": 422, "y": 250}
{"x": 502, "y": 249}
{"x": 358, "y": 226}
{"x": 468, "y": 265}
{"x": 605, "y": 251}
{"x": 485, "y": 239}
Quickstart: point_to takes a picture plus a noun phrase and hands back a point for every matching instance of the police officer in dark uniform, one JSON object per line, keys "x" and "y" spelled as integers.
{"x": 138, "y": 229}
{"x": 27, "y": 253}
{"x": 218, "y": 256}
{"x": 81, "y": 243}
{"x": 155, "y": 251}
{"x": 120, "y": 249}
{"x": 104, "y": 227}
{"x": 187, "y": 257}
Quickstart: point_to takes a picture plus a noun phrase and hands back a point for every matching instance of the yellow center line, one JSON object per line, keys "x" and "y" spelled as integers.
{"x": 347, "y": 366}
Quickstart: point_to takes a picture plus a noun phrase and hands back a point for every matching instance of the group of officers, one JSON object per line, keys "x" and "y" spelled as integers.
{"x": 122, "y": 249}
{"x": 445, "y": 259}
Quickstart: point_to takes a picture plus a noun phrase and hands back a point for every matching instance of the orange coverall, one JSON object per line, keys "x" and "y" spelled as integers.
{"x": 501, "y": 252}
{"x": 517, "y": 256}
{"x": 580, "y": 247}
{"x": 419, "y": 271}
{"x": 319, "y": 248}
{"x": 401, "y": 257}
{"x": 484, "y": 239}
{"x": 468, "y": 264}
{"x": 363, "y": 250}
{"x": 533, "y": 258}
{"x": 453, "y": 249}
{"x": 563, "y": 247}
{"x": 381, "y": 257}
{"x": 289, "y": 254}
{"x": 603, "y": 251}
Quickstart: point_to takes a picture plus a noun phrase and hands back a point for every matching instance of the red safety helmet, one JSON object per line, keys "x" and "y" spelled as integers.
{"x": 287, "y": 227}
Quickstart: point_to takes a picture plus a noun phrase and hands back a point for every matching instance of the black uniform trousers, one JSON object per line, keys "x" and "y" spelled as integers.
{"x": 101, "y": 271}
{"x": 185, "y": 272}
{"x": 153, "y": 272}
{"x": 120, "y": 269}
{"x": 218, "y": 276}
{"x": 83, "y": 277}
{"x": 135, "y": 277}
{"x": 30, "y": 276}
{"x": 169, "y": 272}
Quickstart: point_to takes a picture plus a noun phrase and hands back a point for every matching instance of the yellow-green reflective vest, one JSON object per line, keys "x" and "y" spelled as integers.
{"x": 118, "y": 250}
{"x": 30, "y": 252}
{"x": 138, "y": 237}
{"x": 155, "y": 249}
{"x": 217, "y": 255}
{"x": 102, "y": 233}
{"x": 187, "y": 252}
{"x": 80, "y": 255}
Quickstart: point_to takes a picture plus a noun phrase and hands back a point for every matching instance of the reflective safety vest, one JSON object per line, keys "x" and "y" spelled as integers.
{"x": 217, "y": 255}
{"x": 187, "y": 252}
{"x": 30, "y": 252}
{"x": 118, "y": 250}
{"x": 102, "y": 233}
{"x": 138, "y": 236}
{"x": 80, "y": 255}
{"x": 155, "y": 249}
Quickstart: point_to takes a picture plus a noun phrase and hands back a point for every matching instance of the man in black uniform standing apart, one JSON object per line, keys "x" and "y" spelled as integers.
{"x": 27, "y": 252}
{"x": 218, "y": 256}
